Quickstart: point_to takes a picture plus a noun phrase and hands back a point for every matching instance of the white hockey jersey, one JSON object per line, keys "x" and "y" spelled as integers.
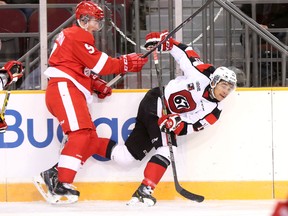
{"x": 188, "y": 95}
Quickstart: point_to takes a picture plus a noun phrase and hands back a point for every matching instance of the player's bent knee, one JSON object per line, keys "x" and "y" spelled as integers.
{"x": 122, "y": 156}
{"x": 164, "y": 151}
{"x": 77, "y": 142}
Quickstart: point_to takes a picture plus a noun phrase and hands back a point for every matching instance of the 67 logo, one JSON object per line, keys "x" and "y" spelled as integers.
{"x": 181, "y": 101}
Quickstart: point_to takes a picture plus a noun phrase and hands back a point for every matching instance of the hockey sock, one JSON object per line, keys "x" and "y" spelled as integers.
{"x": 154, "y": 170}
{"x": 72, "y": 154}
{"x": 99, "y": 146}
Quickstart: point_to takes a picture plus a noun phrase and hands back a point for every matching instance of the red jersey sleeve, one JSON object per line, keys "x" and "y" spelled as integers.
{"x": 97, "y": 61}
{"x": 87, "y": 53}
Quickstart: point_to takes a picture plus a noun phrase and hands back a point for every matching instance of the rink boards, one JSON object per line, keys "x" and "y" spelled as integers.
{"x": 242, "y": 156}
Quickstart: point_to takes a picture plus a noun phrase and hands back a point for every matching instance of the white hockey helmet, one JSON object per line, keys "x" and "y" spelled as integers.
{"x": 223, "y": 73}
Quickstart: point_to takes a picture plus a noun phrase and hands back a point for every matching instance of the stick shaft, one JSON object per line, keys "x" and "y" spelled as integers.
{"x": 181, "y": 25}
{"x": 120, "y": 76}
{"x": 5, "y": 103}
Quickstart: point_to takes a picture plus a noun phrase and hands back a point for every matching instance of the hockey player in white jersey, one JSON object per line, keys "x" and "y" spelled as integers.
{"x": 193, "y": 102}
{"x": 9, "y": 73}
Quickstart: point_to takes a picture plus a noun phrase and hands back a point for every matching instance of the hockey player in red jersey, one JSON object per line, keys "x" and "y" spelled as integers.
{"x": 9, "y": 73}
{"x": 193, "y": 103}
{"x": 74, "y": 67}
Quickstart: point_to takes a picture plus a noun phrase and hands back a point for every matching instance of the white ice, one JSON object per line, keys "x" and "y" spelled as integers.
{"x": 165, "y": 208}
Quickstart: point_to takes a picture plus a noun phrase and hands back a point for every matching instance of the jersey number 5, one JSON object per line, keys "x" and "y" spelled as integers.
{"x": 90, "y": 48}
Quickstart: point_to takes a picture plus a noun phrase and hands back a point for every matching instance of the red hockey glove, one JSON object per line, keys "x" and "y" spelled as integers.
{"x": 132, "y": 62}
{"x": 281, "y": 209}
{"x": 3, "y": 125}
{"x": 153, "y": 38}
{"x": 100, "y": 87}
{"x": 171, "y": 123}
{"x": 14, "y": 70}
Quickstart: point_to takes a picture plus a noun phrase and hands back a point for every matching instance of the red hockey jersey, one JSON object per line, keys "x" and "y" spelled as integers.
{"x": 74, "y": 55}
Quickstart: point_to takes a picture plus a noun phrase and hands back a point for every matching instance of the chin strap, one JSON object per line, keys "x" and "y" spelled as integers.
{"x": 211, "y": 93}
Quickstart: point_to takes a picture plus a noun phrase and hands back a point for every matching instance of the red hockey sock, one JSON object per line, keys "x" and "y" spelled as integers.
{"x": 72, "y": 154}
{"x": 66, "y": 175}
{"x": 154, "y": 170}
{"x": 99, "y": 146}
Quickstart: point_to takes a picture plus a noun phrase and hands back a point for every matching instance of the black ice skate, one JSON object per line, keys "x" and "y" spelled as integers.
{"x": 143, "y": 195}
{"x": 65, "y": 189}
{"x": 50, "y": 178}
{"x": 52, "y": 191}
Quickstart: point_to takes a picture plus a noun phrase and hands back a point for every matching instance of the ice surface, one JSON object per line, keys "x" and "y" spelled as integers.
{"x": 119, "y": 208}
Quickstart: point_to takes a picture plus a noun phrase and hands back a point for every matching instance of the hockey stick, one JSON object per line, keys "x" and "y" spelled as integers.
{"x": 120, "y": 76}
{"x": 178, "y": 187}
{"x": 5, "y": 103}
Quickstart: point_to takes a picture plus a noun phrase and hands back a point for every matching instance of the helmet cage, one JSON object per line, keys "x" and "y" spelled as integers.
{"x": 86, "y": 18}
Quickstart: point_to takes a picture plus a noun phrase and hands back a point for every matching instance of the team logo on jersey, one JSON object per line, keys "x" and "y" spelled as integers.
{"x": 181, "y": 102}
{"x": 87, "y": 72}
{"x": 190, "y": 86}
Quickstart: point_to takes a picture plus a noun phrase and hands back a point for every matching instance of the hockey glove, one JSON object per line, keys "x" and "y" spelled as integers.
{"x": 171, "y": 123}
{"x": 3, "y": 125}
{"x": 153, "y": 38}
{"x": 14, "y": 71}
{"x": 100, "y": 87}
{"x": 132, "y": 62}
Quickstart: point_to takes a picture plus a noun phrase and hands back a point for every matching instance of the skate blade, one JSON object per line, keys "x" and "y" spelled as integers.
{"x": 134, "y": 201}
{"x": 68, "y": 199}
{"x": 52, "y": 198}
{"x": 41, "y": 187}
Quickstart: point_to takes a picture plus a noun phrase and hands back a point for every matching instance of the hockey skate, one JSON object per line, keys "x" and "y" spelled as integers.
{"x": 65, "y": 190}
{"x": 142, "y": 196}
{"x": 50, "y": 178}
{"x": 46, "y": 184}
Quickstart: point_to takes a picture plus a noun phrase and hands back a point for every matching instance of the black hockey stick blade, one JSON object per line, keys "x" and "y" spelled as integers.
{"x": 188, "y": 194}
{"x": 182, "y": 191}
